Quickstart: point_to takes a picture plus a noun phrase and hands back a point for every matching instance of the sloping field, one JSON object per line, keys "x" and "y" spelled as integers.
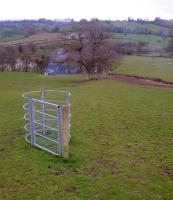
{"x": 38, "y": 38}
{"x": 153, "y": 39}
{"x": 121, "y": 145}
{"x": 133, "y": 25}
{"x": 153, "y": 67}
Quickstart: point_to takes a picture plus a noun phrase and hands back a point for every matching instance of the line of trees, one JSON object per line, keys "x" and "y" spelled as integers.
{"x": 89, "y": 49}
{"x": 22, "y": 58}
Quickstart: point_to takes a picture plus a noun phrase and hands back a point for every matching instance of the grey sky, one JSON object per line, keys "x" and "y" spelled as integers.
{"x": 78, "y": 9}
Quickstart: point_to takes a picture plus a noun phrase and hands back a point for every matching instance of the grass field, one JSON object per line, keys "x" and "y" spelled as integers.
{"x": 152, "y": 39}
{"x": 48, "y": 37}
{"x": 133, "y": 25}
{"x": 121, "y": 145}
{"x": 37, "y": 38}
{"x": 148, "y": 66}
{"x": 5, "y": 38}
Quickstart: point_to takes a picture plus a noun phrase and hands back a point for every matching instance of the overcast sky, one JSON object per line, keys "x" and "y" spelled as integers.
{"x": 78, "y": 9}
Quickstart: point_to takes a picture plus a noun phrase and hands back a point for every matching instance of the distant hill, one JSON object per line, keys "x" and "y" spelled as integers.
{"x": 133, "y": 35}
{"x": 14, "y": 30}
{"x": 39, "y": 38}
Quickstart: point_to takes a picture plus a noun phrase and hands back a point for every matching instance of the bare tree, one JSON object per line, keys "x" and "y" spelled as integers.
{"x": 94, "y": 53}
{"x": 27, "y": 54}
{"x": 3, "y": 59}
{"x": 11, "y": 57}
{"x": 42, "y": 62}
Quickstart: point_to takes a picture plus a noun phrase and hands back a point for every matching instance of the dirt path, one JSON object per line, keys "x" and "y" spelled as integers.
{"x": 142, "y": 80}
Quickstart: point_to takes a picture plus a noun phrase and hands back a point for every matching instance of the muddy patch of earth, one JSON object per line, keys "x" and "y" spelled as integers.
{"x": 140, "y": 80}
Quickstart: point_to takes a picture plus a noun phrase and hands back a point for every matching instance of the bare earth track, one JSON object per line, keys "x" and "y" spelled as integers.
{"x": 142, "y": 80}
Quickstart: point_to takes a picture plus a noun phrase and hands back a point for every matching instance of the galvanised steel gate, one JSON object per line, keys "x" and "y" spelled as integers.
{"x": 47, "y": 119}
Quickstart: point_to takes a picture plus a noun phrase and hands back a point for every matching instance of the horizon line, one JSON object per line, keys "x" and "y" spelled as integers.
{"x": 77, "y": 20}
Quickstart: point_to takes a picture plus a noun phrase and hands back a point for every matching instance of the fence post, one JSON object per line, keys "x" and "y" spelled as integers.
{"x": 65, "y": 132}
{"x": 42, "y": 95}
{"x": 68, "y": 105}
{"x": 32, "y": 128}
{"x": 59, "y": 129}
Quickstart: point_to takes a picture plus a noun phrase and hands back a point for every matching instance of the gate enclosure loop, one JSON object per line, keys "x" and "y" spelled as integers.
{"x": 47, "y": 120}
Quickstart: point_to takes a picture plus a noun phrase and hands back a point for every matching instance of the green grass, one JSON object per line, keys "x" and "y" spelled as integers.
{"x": 152, "y": 39}
{"x": 13, "y": 38}
{"x": 37, "y": 38}
{"x": 121, "y": 145}
{"x": 148, "y": 66}
{"x": 133, "y": 25}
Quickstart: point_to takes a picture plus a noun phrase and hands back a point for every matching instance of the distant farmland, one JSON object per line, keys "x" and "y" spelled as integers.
{"x": 37, "y": 39}
{"x": 149, "y": 38}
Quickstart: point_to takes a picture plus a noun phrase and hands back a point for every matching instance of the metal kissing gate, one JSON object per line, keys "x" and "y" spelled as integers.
{"x": 47, "y": 120}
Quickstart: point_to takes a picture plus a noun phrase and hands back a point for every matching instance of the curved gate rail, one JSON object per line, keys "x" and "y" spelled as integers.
{"x": 47, "y": 120}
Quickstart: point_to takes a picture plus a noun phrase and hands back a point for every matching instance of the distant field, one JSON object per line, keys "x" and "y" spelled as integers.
{"x": 12, "y": 38}
{"x": 38, "y": 38}
{"x": 5, "y": 38}
{"x": 153, "y": 39}
{"x": 133, "y": 25}
{"x": 148, "y": 66}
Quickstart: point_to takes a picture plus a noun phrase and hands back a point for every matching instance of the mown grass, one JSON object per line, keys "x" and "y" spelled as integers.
{"x": 121, "y": 145}
{"x": 155, "y": 67}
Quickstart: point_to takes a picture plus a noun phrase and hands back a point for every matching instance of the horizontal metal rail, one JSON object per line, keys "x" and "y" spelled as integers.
{"x": 37, "y": 91}
{"x": 43, "y": 113}
{"x": 43, "y": 148}
{"x": 37, "y": 130}
{"x": 45, "y": 102}
{"x": 54, "y": 129}
{"x": 46, "y": 138}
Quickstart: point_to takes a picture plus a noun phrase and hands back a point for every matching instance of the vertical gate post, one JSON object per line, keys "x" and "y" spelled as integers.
{"x": 42, "y": 96}
{"x": 32, "y": 122}
{"x": 65, "y": 132}
{"x": 68, "y": 105}
{"x": 59, "y": 129}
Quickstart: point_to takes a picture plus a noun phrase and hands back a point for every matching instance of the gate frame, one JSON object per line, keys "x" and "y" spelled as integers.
{"x": 62, "y": 121}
